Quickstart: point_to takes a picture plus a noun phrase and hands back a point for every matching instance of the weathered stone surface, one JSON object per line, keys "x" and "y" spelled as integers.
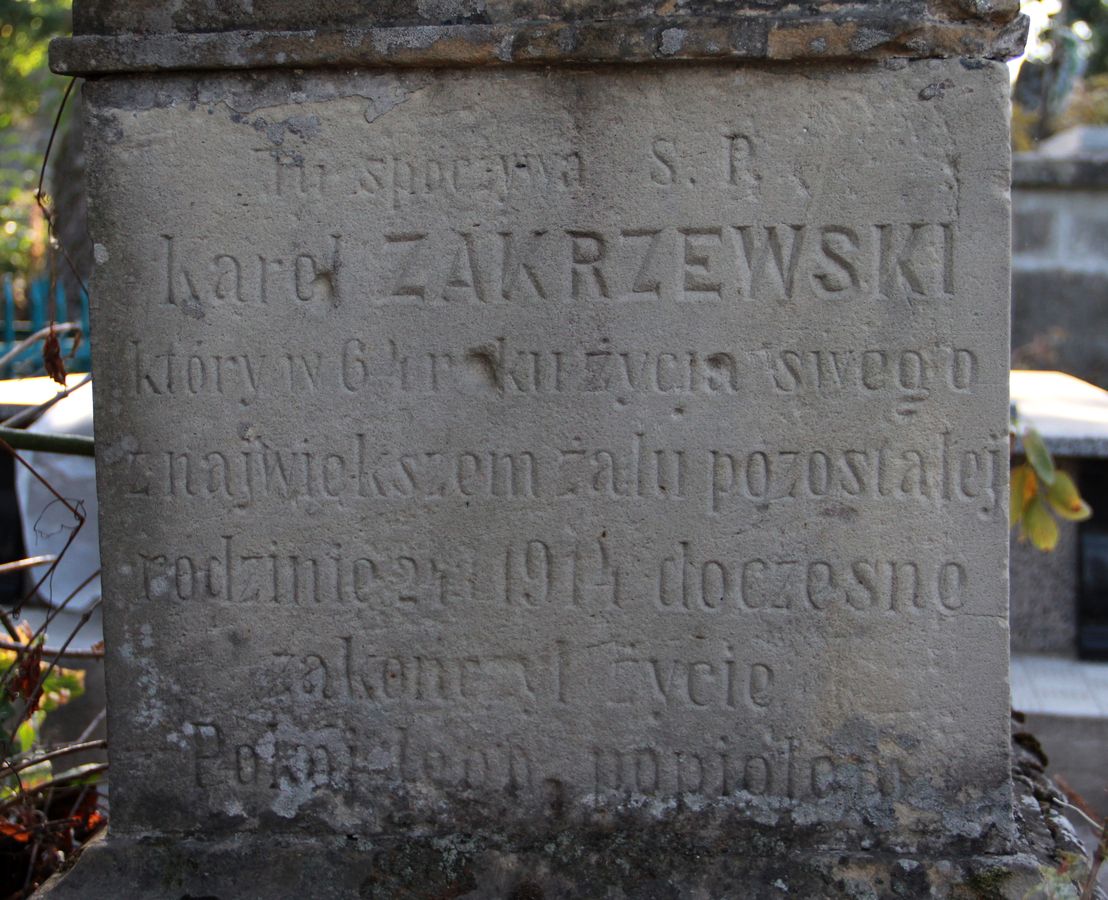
{"x": 580, "y": 481}
{"x": 582, "y": 863}
{"x": 628, "y": 462}
{"x": 668, "y": 865}
{"x": 136, "y": 35}
{"x": 115, "y": 16}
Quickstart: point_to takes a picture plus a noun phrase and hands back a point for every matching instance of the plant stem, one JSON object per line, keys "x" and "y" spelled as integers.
{"x": 73, "y": 444}
{"x": 28, "y": 563}
{"x": 1098, "y": 861}
{"x": 63, "y": 328}
{"x": 48, "y": 651}
{"x": 55, "y": 782}
{"x": 54, "y": 754}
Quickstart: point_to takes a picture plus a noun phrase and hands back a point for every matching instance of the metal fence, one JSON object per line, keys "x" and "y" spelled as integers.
{"x": 37, "y": 317}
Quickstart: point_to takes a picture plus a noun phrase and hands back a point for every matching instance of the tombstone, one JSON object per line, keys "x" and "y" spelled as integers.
{"x": 551, "y": 454}
{"x": 1060, "y": 244}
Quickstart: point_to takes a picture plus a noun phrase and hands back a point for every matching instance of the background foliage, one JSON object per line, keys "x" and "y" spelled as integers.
{"x": 29, "y": 98}
{"x": 1063, "y": 82}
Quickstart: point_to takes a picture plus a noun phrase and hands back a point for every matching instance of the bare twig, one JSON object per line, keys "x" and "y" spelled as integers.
{"x": 53, "y": 134}
{"x": 9, "y": 625}
{"x": 48, "y": 215}
{"x": 54, "y": 610}
{"x": 55, "y": 782}
{"x": 31, "y": 864}
{"x": 68, "y": 654}
{"x": 77, "y": 514}
{"x": 77, "y": 803}
{"x": 29, "y": 562}
{"x": 29, "y": 415}
{"x": 85, "y": 616}
{"x": 32, "y": 804}
{"x": 54, "y": 754}
{"x": 40, "y": 197}
{"x": 1098, "y": 861}
{"x": 1093, "y": 823}
{"x": 57, "y": 654}
{"x": 7, "y": 764}
{"x": 49, "y": 573}
{"x": 37, "y": 336}
{"x": 4, "y": 445}
{"x": 91, "y": 727}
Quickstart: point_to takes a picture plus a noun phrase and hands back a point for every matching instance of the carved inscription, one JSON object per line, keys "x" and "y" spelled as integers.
{"x": 396, "y": 576}
{"x": 419, "y": 677}
{"x": 780, "y": 770}
{"x": 696, "y": 683}
{"x": 333, "y": 468}
{"x": 487, "y": 265}
{"x": 346, "y": 669}
{"x": 732, "y": 479}
{"x": 907, "y": 377}
{"x": 196, "y": 280}
{"x": 398, "y": 181}
{"x": 585, "y": 574}
{"x": 582, "y": 465}
{"x": 906, "y": 473}
{"x": 689, "y": 581}
{"x": 335, "y": 757}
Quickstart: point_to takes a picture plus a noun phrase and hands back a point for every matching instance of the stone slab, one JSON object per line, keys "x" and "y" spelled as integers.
{"x": 1070, "y": 414}
{"x": 635, "y": 453}
{"x": 1056, "y": 686}
{"x": 144, "y": 16}
{"x": 140, "y": 36}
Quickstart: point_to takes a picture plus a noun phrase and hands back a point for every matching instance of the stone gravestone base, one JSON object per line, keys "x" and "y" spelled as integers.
{"x": 564, "y": 480}
{"x": 662, "y": 865}
{"x": 603, "y": 861}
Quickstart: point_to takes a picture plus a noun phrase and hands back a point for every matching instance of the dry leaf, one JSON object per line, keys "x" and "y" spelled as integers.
{"x": 27, "y": 677}
{"x": 52, "y": 357}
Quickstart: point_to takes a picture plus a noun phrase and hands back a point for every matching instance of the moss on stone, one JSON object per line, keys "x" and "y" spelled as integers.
{"x": 987, "y": 884}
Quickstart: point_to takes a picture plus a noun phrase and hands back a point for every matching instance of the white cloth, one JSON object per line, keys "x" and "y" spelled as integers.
{"x": 47, "y": 523}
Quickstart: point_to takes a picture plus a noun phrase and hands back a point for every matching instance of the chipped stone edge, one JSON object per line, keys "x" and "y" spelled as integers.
{"x": 654, "y": 39}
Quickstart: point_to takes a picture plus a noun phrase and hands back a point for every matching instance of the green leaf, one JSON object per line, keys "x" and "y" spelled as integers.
{"x": 25, "y": 735}
{"x": 1040, "y": 526}
{"x": 1038, "y": 456}
{"x": 61, "y": 686}
{"x": 1066, "y": 500}
{"x": 1022, "y": 486}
